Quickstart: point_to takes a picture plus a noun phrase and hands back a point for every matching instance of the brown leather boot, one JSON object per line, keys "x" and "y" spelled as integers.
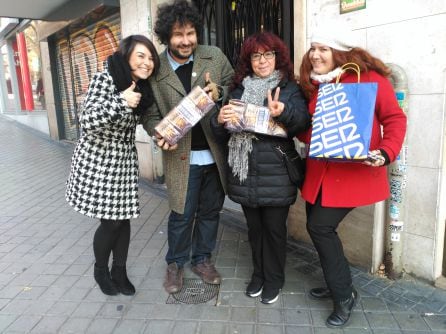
{"x": 173, "y": 281}
{"x": 207, "y": 272}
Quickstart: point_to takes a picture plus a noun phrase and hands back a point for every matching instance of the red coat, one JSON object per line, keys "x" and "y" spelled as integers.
{"x": 347, "y": 184}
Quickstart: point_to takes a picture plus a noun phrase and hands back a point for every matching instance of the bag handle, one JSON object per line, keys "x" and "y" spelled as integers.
{"x": 349, "y": 66}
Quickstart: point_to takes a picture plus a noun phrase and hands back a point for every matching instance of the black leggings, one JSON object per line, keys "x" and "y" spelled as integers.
{"x": 112, "y": 235}
{"x": 322, "y": 223}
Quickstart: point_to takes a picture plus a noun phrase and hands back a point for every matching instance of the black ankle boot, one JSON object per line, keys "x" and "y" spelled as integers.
{"x": 320, "y": 293}
{"x": 342, "y": 311}
{"x": 119, "y": 277}
{"x": 102, "y": 277}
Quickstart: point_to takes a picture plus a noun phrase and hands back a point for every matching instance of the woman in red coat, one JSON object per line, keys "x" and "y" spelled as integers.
{"x": 332, "y": 189}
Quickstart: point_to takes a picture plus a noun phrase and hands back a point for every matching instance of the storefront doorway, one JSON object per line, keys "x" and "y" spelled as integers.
{"x": 228, "y": 22}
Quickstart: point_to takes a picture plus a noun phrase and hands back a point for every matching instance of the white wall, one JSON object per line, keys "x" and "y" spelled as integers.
{"x": 37, "y": 120}
{"x": 411, "y": 34}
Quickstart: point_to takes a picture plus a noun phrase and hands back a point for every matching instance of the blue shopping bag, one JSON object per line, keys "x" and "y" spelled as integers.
{"x": 343, "y": 119}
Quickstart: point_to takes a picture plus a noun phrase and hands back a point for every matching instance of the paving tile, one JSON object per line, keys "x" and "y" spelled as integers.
{"x": 436, "y": 322}
{"x": 75, "y": 325}
{"x": 129, "y": 326}
{"x": 373, "y": 304}
{"x": 113, "y": 310}
{"x": 270, "y": 316}
{"x": 410, "y": 321}
{"x": 213, "y": 327}
{"x": 298, "y": 330}
{"x": 46, "y": 268}
{"x": 184, "y": 327}
{"x": 159, "y": 326}
{"x": 101, "y": 325}
{"x": 23, "y": 323}
{"x": 6, "y": 320}
{"x": 297, "y": 317}
{"x": 87, "y": 310}
{"x": 296, "y": 300}
{"x": 270, "y": 329}
{"x": 381, "y": 321}
{"x": 237, "y": 328}
{"x": 140, "y": 311}
{"x": 38, "y": 307}
{"x": 49, "y": 325}
{"x": 243, "y": 314}
{"x": 15, "y": 307}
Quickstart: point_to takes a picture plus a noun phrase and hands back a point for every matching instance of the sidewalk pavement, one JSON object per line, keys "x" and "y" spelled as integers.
{"x": 46, "y": 267}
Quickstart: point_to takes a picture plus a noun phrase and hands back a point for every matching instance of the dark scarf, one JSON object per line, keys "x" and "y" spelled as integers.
{"x": 120, "y": 71}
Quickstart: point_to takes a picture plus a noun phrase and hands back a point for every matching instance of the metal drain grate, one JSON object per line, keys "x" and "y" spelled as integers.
{"x": 194, "y": 291}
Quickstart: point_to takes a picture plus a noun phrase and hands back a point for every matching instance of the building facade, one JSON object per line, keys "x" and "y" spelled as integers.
{"x": 405, "y": 233}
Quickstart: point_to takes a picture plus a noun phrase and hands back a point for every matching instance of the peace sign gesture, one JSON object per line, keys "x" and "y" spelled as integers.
{"x": 274, "y": 105}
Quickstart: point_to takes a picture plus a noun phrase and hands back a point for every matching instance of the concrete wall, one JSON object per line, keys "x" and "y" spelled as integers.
{"x": 38, "y": 120}
{"x": 137, "y": 17}
{"x": 409, "y": 34}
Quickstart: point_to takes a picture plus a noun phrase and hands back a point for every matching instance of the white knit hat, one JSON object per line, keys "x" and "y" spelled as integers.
{"x": 334, "y": 34}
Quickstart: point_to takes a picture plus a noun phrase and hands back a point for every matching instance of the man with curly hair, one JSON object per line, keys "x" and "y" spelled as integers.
{"x": 194, "y": 167}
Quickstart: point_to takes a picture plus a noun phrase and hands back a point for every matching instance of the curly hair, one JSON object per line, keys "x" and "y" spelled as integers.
{"x": 181, "y": 12}
{"x": 363, "y": 58}
{"x": 268, "y": 42}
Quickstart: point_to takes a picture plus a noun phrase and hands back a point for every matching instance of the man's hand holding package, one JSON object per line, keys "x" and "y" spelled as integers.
{"x": 163, "y": 144}
{"x": 214, "y": 91}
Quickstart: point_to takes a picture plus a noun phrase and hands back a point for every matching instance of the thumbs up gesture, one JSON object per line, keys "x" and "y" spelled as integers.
{"x": 132, "y": 98}
{"x": 214, "y": 91}
{"x": 274, "y": 105}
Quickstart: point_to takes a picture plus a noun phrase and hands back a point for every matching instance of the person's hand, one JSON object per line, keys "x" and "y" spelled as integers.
{"x": 226, "y": 114}
{"x": 163, "y": 144}
{"x": 378, "y": 162}
{"x": 274, "y": 105}
{"x": 211, "y": 88}
{"x": 130, "y": 96}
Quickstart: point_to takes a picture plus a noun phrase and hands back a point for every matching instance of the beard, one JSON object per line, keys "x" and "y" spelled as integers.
{"x": 177, "y": 53}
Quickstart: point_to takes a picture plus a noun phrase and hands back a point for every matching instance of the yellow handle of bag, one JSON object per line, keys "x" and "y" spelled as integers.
{"x": 349, "y": 66}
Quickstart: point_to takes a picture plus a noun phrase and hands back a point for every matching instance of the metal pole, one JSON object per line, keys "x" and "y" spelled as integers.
{"x": 398, "y": 179}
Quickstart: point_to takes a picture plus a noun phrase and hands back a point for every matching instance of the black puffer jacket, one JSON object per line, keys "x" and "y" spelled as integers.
{"x": 268, "y": 183}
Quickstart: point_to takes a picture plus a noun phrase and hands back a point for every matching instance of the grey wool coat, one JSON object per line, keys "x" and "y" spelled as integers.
{"x": 168, "y": 91}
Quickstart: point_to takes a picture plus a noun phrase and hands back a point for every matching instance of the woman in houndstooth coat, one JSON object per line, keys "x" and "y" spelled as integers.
{"x": 103, "y": 182}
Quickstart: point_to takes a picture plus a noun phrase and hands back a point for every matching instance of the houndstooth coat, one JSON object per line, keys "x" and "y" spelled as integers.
{"x": 103, "y": 182}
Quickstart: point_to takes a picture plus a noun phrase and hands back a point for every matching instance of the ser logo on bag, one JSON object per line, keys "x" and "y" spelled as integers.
{"x": 334, "y": 126}
{"x": 342, "y": 122}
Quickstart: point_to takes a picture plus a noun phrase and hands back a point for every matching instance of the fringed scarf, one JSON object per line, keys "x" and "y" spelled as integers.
{"x": 120, "y": 71}
{"x": 328, "y": 77}
{"x": 240, "y": 143}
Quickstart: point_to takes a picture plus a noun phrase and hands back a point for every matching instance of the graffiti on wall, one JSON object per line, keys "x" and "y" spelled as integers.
{"x": 88, "y": 48}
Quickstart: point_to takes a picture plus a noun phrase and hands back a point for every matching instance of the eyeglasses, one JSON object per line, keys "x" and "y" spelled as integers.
{"x": 267, "y": 55}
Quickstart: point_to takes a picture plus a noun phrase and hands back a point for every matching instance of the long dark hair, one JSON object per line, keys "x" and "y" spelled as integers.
{"x": 363, "y": 58}
{"x": 269, "y": 42}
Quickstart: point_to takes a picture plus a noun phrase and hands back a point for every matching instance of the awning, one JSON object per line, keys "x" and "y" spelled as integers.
{"x": 51, "y": 10}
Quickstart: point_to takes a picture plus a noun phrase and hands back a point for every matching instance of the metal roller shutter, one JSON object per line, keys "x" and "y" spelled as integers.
{"x": 79, "y": 56}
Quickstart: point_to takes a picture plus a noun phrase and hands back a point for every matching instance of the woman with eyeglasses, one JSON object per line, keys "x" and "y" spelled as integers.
{"x": 258, "y": 178}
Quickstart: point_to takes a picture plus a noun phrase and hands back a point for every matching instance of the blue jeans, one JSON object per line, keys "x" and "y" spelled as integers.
{"x": 197, "y": 228}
